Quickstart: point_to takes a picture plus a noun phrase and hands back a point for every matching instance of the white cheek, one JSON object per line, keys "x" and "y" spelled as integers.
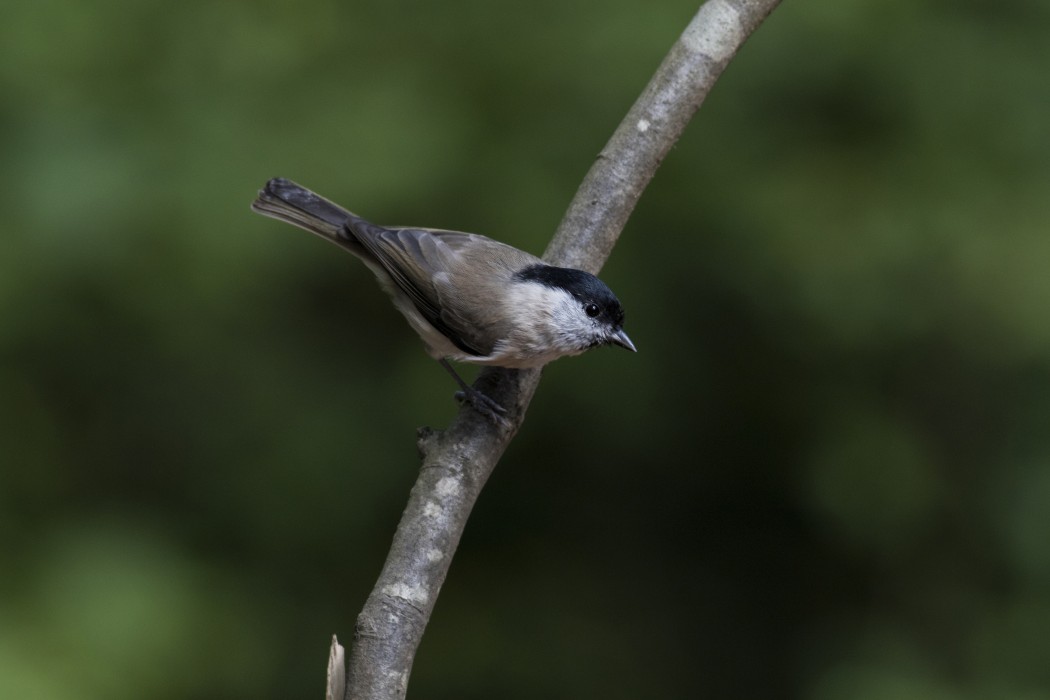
{"x": 546, "y": 324}
{"x": 568, "y": 318}
{"x": 527, "y": 306}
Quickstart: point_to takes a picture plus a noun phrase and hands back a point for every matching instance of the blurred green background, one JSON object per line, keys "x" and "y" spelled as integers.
{"x": 825, "y": 475}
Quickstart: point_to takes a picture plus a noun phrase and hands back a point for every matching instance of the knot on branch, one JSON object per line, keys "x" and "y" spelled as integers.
{"x": 425, "y": 439}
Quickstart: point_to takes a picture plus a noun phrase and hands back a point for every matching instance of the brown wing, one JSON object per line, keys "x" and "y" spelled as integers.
{"x": 431, "y": 266}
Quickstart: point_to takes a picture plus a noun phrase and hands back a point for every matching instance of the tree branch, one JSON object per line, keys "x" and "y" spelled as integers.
{"x": 458, "y": 461}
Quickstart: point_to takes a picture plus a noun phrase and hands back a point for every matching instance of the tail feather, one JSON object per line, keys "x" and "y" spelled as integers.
{"x": 286, "y": 201}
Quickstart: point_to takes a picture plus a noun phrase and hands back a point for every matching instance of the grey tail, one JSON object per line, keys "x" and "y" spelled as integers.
{"x": 286, "y": 201}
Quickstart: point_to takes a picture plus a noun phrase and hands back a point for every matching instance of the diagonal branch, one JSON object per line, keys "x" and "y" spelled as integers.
{"x": 458, "y": 461}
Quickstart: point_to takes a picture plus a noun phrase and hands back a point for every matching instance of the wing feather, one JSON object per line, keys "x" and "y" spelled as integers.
{"x": 426, "y": 263}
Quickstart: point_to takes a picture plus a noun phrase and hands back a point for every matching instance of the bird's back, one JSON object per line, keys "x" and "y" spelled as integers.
{"x": 455, "y": 280}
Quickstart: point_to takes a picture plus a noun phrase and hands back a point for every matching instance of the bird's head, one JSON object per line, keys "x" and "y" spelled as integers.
{"x": 577, "y": 310}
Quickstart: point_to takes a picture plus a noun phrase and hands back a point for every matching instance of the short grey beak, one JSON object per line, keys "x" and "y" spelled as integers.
{"x": 620, "y": 338}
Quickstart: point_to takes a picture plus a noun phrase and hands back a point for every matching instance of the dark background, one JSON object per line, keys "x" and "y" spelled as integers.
{"x": 826, "y": 473}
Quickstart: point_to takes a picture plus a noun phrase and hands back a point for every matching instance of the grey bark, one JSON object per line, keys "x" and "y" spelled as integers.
{"x": 457, "y": 461}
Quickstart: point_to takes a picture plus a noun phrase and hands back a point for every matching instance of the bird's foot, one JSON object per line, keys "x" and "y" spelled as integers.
{"x": 483, "y": 405}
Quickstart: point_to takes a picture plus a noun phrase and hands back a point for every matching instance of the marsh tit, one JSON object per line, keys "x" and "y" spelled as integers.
{"x": 470, "y": 298}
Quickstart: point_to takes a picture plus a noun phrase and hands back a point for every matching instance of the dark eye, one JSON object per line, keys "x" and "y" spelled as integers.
{"x": 591, "y": 309}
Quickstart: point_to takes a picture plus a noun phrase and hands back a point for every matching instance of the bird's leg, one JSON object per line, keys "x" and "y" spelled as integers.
{"x": 481, "y": 403}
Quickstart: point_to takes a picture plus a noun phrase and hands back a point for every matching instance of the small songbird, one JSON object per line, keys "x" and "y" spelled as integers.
{"x": 470, "y": 298}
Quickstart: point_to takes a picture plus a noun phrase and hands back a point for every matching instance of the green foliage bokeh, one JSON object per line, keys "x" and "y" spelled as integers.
{"x": 825, "y": 475}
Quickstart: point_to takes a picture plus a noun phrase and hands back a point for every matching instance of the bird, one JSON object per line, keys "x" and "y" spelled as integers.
{"x": 469, "y": 298}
